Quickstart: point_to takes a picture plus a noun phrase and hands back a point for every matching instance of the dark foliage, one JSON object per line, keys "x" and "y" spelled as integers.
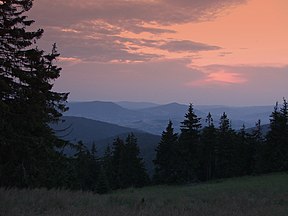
{"x": 208, "y": 151}
{"x": 28, "y": 156}
{"x": 166, "y": 156}
{"x": 128, "y": 168}
{"x": 189, "y": 141}
{"x": 222, "y": 152}
{"x": 277, "y": 140}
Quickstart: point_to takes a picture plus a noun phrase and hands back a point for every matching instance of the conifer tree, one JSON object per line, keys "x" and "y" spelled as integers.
{"x": 208, "y": 142}
{"x": 243, "y": 153}
{"x": 277, "y": 139}
{"x": 191, "y": 124}
{"x": 27, "y": 102}
{"x": 118, "y": 148}
{"x": 225, "y": 148}
{"x": 166, "y": 156}
{"x": 258, "y": 148}
{"x": 189, "y": 141}
{"x": 107, "y": 166}
{"x": 86, "y": 167}
{"x": 132, "y": 172}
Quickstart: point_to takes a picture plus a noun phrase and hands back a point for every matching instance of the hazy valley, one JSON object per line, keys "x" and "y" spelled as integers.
{"x": 153, "y": 118}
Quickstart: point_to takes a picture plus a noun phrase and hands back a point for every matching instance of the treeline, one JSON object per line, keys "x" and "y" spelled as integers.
{"x": 198, "y": 153}
{"x": 119, "y": 167}
{"x": 204, "y": 153}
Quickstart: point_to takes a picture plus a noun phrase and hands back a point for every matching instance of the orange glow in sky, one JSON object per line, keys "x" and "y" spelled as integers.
{"x": 253, "y": 33}
{"x": 127, "y": 49}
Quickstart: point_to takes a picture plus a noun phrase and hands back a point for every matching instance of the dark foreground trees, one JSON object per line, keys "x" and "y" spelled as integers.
{"x": 201, "y": 154}
{"x": 189, "y": 141}
{"x": 28, "y": 155}
{"x": 277, "y": 140}
{"x": 166, "y": 170}
{"x": 128, "y": 169}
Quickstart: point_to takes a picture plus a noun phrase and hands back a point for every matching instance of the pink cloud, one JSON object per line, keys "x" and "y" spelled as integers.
{"x": 219, "y": 78}
{"x": 226, "y": 77}
{"x": 69, "y": 60}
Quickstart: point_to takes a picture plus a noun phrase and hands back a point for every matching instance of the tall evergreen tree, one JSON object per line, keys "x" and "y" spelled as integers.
{"x": 258, "y": 148}
{"x": 107, "y": 167}
{"x": 191, "y": 124}
{"x": 277, "y": 139}
{"x": 166, "y": 157}
{"x": 132, "y": 170}
{"x": 189, "y": 141}
{"x": 118, "y": 148}
{"x": 225, "y": 148}
{"x": 208, "y": 141}
{"x": 27, "y": 102}
{"x": 243, "y": 153}
{"x": 86, "y": 166}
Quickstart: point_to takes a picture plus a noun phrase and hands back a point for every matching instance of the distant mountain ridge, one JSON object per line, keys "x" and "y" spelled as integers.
{"x": 153, "y": 118}
{"x": 102, "y": 111}
{"x": 136, "y": 105}
{"x": 74, "y": 128}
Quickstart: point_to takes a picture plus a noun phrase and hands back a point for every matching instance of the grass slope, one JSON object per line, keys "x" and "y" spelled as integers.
{"x": 248, "y": 196}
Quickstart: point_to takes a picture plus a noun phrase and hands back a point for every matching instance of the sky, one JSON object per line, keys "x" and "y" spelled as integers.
{"x": 228, "y": 52}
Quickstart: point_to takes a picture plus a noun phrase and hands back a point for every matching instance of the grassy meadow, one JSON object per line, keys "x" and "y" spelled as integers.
{"x": 247, "y": 196}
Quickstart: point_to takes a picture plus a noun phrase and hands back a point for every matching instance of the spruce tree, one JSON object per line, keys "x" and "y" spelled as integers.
{"x": 243, "y": 153}
{"x": 208, "y": 143}
{"x": 27, "y": 102}
{"x": 225, "y": 148}
{"x": 189, "y": 141}
{"x": 191, "y": 124}
{"x": 277, "y": 139}
{"x": 166, "y": 156}
{"x": 258, "y": 148}
{"x": 86, "y": 167}
{"x": 118, "y": 148}
{"x": 132, "y": 172}
{"x": 107, "y": 166}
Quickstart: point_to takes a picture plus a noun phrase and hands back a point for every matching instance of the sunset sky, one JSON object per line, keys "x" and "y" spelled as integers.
{"x": 230, "y": 52}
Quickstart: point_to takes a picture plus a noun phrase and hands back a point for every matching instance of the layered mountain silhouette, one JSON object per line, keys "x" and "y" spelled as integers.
{"x": 153, "y": 118}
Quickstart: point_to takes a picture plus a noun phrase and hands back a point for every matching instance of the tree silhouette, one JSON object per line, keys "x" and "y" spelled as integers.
{"x": 28, "y": 104}
{"x": 189, "y": 141}
{"x": 277, "y": 140}
{"x": 132, "y": 170}
{"x": 208, "y": 141}
{"x": 166, "y": 156}
{"x": 225, "y": 148}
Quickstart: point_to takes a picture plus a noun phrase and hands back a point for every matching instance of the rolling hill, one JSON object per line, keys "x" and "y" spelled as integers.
{"x": 87, "y": 130}
{"x": 102, "y": 111}
{"x": 153, "y": 118}
{"x": 90, "y": 131}
{"x": 136, "y": 105}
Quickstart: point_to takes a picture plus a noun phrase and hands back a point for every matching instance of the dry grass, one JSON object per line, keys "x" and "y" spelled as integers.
{"x": 248, "y": 196}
